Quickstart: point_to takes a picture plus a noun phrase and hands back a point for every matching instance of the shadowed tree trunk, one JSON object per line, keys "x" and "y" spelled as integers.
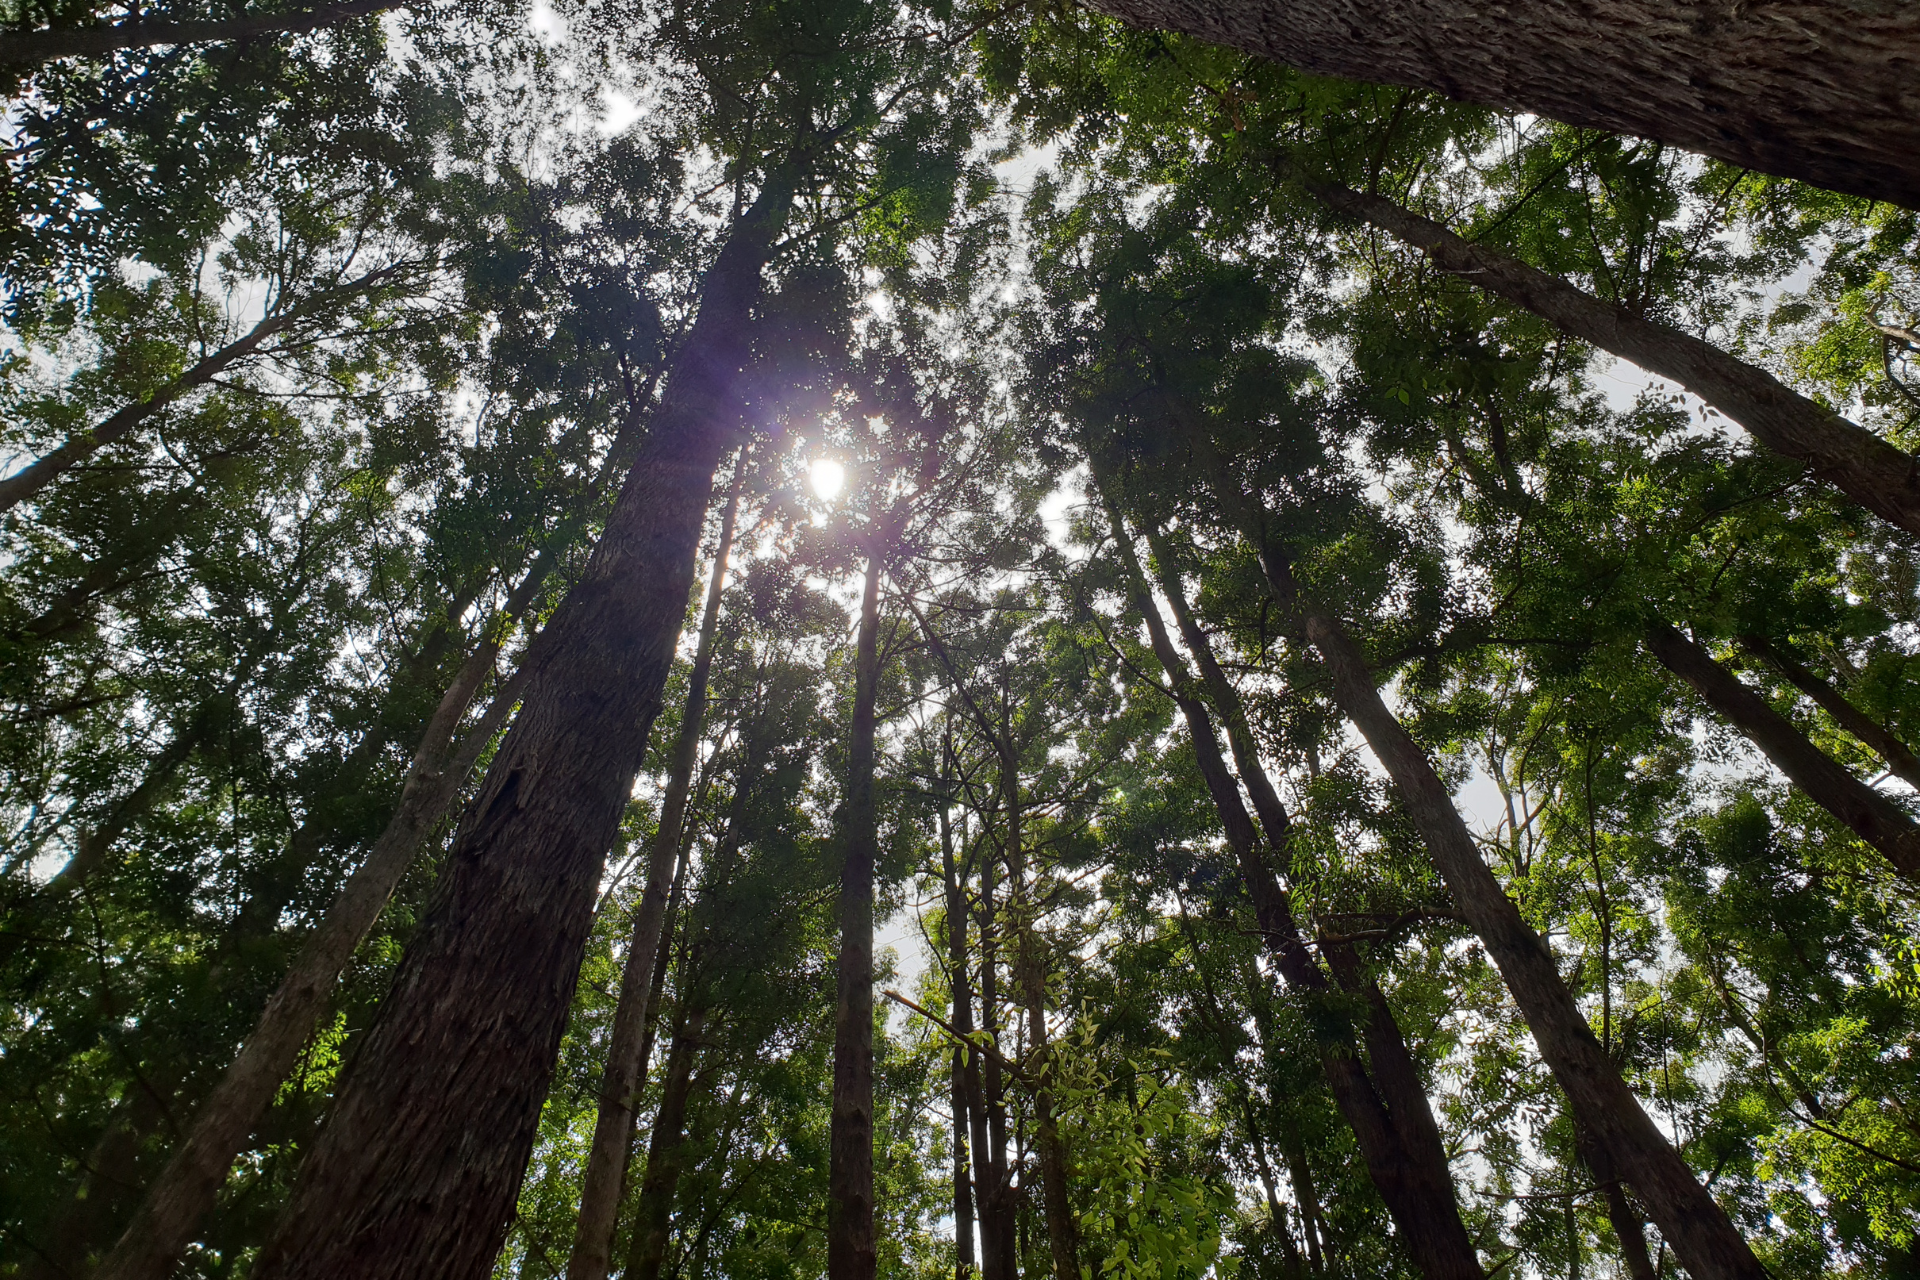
{"x": 1899, "y": 757}
{"x": 1697, "y": 1228}
{"x": 1827, "y": 91}
{"x": 965, "y": 1087}
{"x": 1412, "y": 1176}
{"x": 1276, "y": 1212}
{"x": 653, "y": 1215}
{"x": 1627, "y": 1225}
{"x": 852, "y": 1249}
{"x": 1864, "y": 811}
{"x": 1881, "y": 478}
{"x": 619, "y": 1086}
{"x": 997, "y": 1208}
{"x": 22, "y": 49}
{"x": 415, "y": 1172}
{"x": 190, "y": 1182}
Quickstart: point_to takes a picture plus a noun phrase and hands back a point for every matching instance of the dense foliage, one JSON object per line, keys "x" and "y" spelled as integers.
{"x": 343, "y": 342}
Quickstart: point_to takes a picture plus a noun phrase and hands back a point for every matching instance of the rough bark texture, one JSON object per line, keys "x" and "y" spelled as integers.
{"x": 852, "y": 1248}
{"x": 619, "y": 1086}
{"x": 1881, "y": 478}
{"x": 1827, "y": 91}
{"x": 1702, "y": 1236}
{"x": 30, "y": 48}
{"x": 1897, "y": 754}
{"x": 653, "y": 1215}
{"x": 1418, "y": 1195}
{"x": 189, "y": 1184}
{"x": 415, "y": 1173}
{"x": 1864, "y": 811}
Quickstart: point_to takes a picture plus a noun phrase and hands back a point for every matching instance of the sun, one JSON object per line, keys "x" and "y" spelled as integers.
{"x": 828, "y": 477}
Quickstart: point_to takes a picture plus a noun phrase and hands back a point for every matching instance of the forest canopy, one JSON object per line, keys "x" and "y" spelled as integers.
{"x": 789, "y": 638}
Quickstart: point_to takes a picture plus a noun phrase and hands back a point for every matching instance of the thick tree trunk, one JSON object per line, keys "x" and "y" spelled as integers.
{"x": 189, "y": 1184}
{"x": 1827, "y": 91}
{"x": 1899, "y": 757}
{"x": 965, "y": 1085}
{"x": 653, "y": 1215}
{"x": 1418, "y": 1195}
{"x": 416, "y": 1171}
{"x": 1875, "y": 474}
{"x": 852, "y": 1248}
{"x": 619, "y": 1086}
{"x": 1864, "y": 811}
{"x": 24, "y": 49}
{"x": 1696, "y": 1227}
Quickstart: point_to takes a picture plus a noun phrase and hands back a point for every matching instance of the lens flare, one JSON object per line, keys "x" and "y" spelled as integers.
{"x": 828, "y": 477}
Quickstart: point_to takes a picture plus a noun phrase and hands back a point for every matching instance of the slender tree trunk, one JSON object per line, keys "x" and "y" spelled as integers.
{"x": 1276, "y": 1211}
{"x": 619, "y": 1086}
{"x": 653, "y": 1216}
{"x": 1063, "y": 1243}
{"x": 416, "y": 1170}
{"x": 37, "y": 475}
{"x": 1864, "y": 811}
{"x": 1696, "y": 1227}
{"x": 964, "y": 1087}
{"x": 852, "y": 1249}
{"x": 1412, "y": 1177}
{"x": 1881, "y": 478}
{"x": 1899, "y": 757}
{"x": 997, "y": 1226}
{"x": 1820, "y": 90}
{"x": 1313, "y": 1223}
{"x": 24, "y": 49}
{"x": 1628, "y": 1227}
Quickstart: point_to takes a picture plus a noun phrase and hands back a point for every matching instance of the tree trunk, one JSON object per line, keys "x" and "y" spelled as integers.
{"x": 1625, "y": 1219}
{"x": 998, "y": 1247}
{"x": 37, "y": 475}
{"x": 417, "y": 1168}
{"x": 1899, "y": 757}
{"x": 1696, "y": 1227}
{"x": 1826, "y": 91}
{"x": 30, "y": 48}
{"x": 190, "y": 1182}
{"x": 852, "y": 1249}
{"x": 1276, "y": 1212}
{"x": 1860, "y": 808}
{"x": 653, "y": 1216}
{"x": 1063, "y": 1244}
{"x": 619, "y": 1086}
{"x": 966, "y": 1082}
{"x": 1313, "y": 1223}
{"x": 1875, "y": 474}
{"x": 1417, "y": 1187}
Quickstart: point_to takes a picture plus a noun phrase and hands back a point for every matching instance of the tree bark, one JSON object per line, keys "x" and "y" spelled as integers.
{"x": 1628, "y": 1228}
{"x": 1899, "y": 757}
{"x": 852, "y": 1248}
{"x": 1063, "y": 1244}
{"x": 1826, "y": 91}
{"x": 653, "y": 1216}
{"x": 619, "y": 1086}
{"x": 22, "y": 49}
{"x": 1861, "y": 809}
{"x": 998, "y": 1245}
{"x": 966, "y": 1082}
{"x": 1418, "y": 1195}
{"x": 1698, "y": 1229}
{"x": 1883, "y": 479}
{"x": 416, "y": 1170}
